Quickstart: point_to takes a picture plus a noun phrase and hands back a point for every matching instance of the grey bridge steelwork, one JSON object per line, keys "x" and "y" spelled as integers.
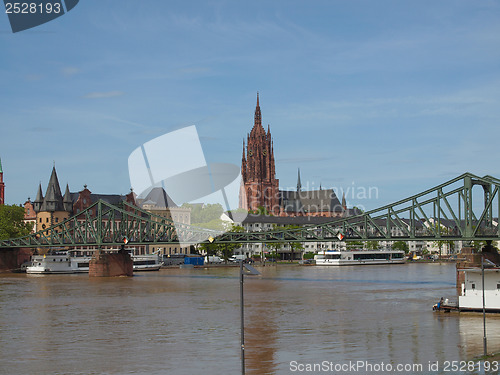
{"x": 446, "y": 212}
{"x": 454, "y": 210}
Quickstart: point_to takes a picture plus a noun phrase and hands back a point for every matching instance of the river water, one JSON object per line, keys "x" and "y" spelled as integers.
{"x": 187, "y": 321}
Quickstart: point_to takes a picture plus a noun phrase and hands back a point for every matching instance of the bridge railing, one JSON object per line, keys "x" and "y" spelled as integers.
{"x": 465, "y": 208}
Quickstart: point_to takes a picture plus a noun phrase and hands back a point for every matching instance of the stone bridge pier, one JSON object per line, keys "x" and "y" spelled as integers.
{"x": 11, "y": 259}
{"x": 105, "y": 264}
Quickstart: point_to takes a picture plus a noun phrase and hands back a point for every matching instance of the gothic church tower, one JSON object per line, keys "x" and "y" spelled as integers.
{"x": 260, "y": 188}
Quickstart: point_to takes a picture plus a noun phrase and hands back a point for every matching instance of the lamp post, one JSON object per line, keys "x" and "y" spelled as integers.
{"x": 484, "y": 306}
{"x": 251, "y": 271}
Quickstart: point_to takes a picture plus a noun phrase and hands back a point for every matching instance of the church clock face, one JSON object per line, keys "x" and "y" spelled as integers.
{"x": 250, "y": 153}
{"x": 264, "y": 152}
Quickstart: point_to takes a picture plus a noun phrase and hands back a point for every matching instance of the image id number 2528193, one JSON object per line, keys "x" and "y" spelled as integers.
{"x": 32, "y": 8}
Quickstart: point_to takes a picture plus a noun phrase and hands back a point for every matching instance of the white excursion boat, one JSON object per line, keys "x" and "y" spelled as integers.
{"x": 146, "y": 262}
{"x": 355, "y": 257}
{"x": 60, "y": 262}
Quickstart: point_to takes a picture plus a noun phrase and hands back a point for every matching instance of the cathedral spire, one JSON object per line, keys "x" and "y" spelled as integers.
{"x": 258, "y": 116}
{"x": 299, "y": 184}
{"x": 260, "y": 187}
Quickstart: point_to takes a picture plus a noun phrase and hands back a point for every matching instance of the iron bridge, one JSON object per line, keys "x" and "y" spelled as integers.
{"x": 465, "y": 208}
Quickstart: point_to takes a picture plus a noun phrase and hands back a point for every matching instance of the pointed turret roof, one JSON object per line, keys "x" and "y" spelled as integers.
{"x": 39, "y": 195}
{"x": 67, "y": 195}
{"x": 53, "y": 194}
{"x": 1, "y": 170}
{"x": 67, "y": 199}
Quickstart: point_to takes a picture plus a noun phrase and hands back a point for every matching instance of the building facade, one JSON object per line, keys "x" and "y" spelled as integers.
{"x": 260, "y": 187}
{"x": 159, "y": 203}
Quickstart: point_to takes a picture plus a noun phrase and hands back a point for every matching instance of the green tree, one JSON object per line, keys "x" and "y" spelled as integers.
{"x": 372, "y": 245}
{"x": 204, "y": 213}
{"x": 12, "y": 223}
{"x": 441, "y": 243}
{"x": 227, "y": 249}
{"x": 261, "y": 210}
{"x": 224, "y": 250}
{"x": 294, "y": 246}
{"x": 353, "y": 245}
{"x": 478, "y": 245}
{"x": 400, "y": 245}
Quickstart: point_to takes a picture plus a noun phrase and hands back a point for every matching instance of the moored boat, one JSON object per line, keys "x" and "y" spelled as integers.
{"x": 59, "y": 262}
{"x": 359, "y": 257}
{"x": 146, "y": 262}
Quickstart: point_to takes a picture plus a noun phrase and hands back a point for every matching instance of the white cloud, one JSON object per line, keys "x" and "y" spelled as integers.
{"x": 103, "y": 94}
{"x": 69, "y": 71}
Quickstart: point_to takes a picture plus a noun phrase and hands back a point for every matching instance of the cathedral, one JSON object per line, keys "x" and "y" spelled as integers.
{"x": 260, "y": 187}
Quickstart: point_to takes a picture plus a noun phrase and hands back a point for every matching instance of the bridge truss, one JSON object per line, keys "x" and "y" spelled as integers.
{"x": 104, "y": 224}
{"x": 465, "y": 208}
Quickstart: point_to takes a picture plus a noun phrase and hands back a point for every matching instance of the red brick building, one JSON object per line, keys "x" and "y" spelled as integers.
{"x": 260, "y": 187}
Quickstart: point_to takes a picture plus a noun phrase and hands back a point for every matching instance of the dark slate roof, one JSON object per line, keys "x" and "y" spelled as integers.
{"x": 279, "y": 220}
{"x": 109, "y": 198}
{"x": 324, "y": 200}
{"x": 67, "y": 196}
{"x": 39, "y": 195}
{"x": 53, "y": 200}
{"x": 114, "y": 199}
{"x": 159, "y": 197}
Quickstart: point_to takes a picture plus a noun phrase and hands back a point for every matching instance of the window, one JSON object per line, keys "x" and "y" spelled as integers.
{"x": 498, "y": 286}
{"x": 473, "y": 286}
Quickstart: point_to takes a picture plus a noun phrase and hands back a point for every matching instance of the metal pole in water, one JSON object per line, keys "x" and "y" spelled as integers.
{"x": 242, "y": 320}
{"x": 484, "y": 307}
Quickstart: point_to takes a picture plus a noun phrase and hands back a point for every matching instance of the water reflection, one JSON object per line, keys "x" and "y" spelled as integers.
{"x": 187, "y": 321}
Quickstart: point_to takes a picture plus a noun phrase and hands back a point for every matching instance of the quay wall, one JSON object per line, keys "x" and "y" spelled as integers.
{"x": 111, "y": 265}
{"x": 11, "y": 259}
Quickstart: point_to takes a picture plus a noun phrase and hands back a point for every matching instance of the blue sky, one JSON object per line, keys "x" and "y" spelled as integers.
{"x": 396, "y": 95}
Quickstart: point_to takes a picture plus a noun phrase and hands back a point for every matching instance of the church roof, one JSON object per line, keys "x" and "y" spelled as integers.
{"x": 310, "y": 201}
{"x": 108, "y": 198}
{"x": 53, "y": 200}
{"x": 159, "y": 198}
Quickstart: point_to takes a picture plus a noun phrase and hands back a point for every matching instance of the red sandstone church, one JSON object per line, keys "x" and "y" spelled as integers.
{"x": 260, "y": 187}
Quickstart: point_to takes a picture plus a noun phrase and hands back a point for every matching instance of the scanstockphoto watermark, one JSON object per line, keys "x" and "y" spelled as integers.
{"x": 318, "y": 198}
{"x": 24, "y": 15}
{"x": 175, "y": 165}
{"x": 360, "y": 367}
